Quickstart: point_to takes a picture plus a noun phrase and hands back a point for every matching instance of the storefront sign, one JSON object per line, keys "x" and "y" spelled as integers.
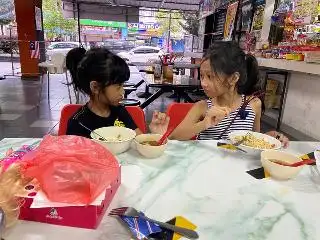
{"x": 99, "y": 23}
{"x": 143, "y": 26}
{"x": 95, "y": 30}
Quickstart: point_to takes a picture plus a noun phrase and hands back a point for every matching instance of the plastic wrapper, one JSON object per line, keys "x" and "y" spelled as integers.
{"x": 141, "y": 228}
{"x": 71, "y": 169}
{"x": 15, "y": 156}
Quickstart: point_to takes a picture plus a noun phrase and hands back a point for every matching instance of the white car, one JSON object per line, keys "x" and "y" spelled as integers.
{"x": 141, "y": 54}
{"x": 60, "y": 47}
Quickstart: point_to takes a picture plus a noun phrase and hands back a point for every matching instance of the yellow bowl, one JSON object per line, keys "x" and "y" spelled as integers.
{"x": 278, "y": 171}
{"x": 149, "y": 151}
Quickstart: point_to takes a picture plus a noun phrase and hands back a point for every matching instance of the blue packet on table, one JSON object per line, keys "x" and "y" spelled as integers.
{"x": 141, "y": 228}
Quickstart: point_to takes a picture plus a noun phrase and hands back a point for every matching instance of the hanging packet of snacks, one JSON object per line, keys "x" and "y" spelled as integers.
{"x": 280, "y": 13}
{"x": 304, "y": 11}
{"x": 257, "y": 21}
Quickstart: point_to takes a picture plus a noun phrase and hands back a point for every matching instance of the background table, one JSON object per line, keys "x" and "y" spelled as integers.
{"x": 210, "y": 187}
{"x": 180, "y": 85}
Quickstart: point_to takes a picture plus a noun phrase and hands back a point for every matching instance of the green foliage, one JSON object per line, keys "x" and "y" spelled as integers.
{"x": 53, "y": 21}
{"x": 5, "y": 21}
{"x": 190, "y": 23}
{"x": 163, "y": 18}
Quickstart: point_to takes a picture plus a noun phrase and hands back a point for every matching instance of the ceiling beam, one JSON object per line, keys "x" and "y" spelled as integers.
{"x": 161, "y": 4}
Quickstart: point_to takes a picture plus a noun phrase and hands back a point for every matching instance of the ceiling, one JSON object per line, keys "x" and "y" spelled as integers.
{"x": 101, "y": 12}
{"x": 185, "y": 5}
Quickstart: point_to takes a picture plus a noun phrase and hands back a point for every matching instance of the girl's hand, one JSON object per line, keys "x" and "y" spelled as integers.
{"x": 282, "y": 138}
{"x": 160, "y": 122}
{"x": 215, "y": 115}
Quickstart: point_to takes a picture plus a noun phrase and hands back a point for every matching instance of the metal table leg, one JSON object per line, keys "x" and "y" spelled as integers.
{"x": 48, "y": 75}
{"x": 152, "y": 98}
{"x": 145, "y": 94}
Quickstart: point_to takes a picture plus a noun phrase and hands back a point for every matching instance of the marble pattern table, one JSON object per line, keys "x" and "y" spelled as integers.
{"x": 208, "y": 186}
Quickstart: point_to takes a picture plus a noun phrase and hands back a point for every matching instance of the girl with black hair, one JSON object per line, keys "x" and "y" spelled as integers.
{"x": 230, "y": 80}
{"x": 101, "y": 74}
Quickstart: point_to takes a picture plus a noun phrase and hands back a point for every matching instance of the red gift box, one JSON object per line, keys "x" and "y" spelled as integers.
{"x": 74, "y": 216}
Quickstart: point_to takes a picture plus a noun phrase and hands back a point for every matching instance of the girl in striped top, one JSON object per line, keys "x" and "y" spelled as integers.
{"x": 229, "y": 78}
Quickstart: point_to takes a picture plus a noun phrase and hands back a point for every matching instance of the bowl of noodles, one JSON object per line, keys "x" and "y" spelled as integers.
{"x": 116, "y": 139}
{"x": 253, "y": 142}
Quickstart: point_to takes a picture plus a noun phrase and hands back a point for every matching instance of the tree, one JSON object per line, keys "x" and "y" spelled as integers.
{"x": 163, "y": 18}
{"x": 4, "y": 22}
{"x": 190, "y": 23}
{"x": 6, "y": 13}
{"x": 54, "y": 22}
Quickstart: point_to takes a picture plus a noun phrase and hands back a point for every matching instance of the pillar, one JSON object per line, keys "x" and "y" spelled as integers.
{"x": 26, "y": 26}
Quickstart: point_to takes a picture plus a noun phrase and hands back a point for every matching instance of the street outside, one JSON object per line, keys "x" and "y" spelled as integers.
{"x": 6, "y": 68}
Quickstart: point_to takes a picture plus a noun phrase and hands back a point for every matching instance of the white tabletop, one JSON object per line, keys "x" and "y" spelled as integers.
{"x": 208, "y": 186}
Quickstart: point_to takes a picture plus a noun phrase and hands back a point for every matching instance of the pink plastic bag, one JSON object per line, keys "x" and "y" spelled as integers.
{"x": 71, "y": 169}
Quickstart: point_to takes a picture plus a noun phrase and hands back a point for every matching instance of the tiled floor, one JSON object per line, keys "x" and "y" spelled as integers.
{"x": 21, "y": 116}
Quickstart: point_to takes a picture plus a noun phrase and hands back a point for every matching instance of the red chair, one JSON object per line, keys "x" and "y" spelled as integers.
{"x": 66, "y": 113}
{"x": 136, "y": 113}
{"x": 138, "y": 117}
{"x": 177, "y": 112}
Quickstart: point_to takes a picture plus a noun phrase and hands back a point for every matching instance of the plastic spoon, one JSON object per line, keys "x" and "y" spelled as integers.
{"x": 103, "y": 138}
{"x": 165, "y": 136}
{"x": 296, "y": 164}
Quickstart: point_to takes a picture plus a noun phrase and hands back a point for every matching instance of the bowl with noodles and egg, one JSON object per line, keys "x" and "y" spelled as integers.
{"x": 253, "y": 142}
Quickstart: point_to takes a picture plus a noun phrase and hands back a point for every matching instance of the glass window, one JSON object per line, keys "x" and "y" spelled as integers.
{"x": 139, "y": 51}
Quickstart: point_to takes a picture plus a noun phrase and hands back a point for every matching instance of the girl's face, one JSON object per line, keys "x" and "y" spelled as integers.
{"x": 110, "y": 95}
{"x": 213, "y": 84}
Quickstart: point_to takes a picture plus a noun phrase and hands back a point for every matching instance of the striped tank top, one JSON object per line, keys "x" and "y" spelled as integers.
{"x": 243, "y": 121}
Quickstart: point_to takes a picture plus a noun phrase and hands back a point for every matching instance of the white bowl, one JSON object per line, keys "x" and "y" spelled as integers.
{"x": 276, "y": 170}
{"x": 120, "y": 138}
{"x": 147, "y": 150}
{"x": 251, "y": 150}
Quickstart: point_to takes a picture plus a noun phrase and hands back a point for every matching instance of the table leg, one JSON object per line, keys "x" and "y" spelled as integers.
{"x": 152, "y": 98}
{"x": 48, "y": 75}
{"x": 68, "y": 85}
{"x": 145, "y": 94}
{"x": 40, "y": 90}
{"x": 186, "y": 97}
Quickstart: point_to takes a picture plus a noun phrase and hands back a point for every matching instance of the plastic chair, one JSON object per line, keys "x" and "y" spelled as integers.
{"x": 136, "y": 113}
{"x": 66, "y": 113}
{"x": 177, "y": 112}
{"x": 57, "y": 65}
{"x": 138, "y": 117}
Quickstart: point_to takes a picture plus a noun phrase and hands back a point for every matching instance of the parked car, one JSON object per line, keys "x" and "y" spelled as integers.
{"x": 60, "y": 47}
{"x": 118, "y": 46}
{"x": 141, "y": 54}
